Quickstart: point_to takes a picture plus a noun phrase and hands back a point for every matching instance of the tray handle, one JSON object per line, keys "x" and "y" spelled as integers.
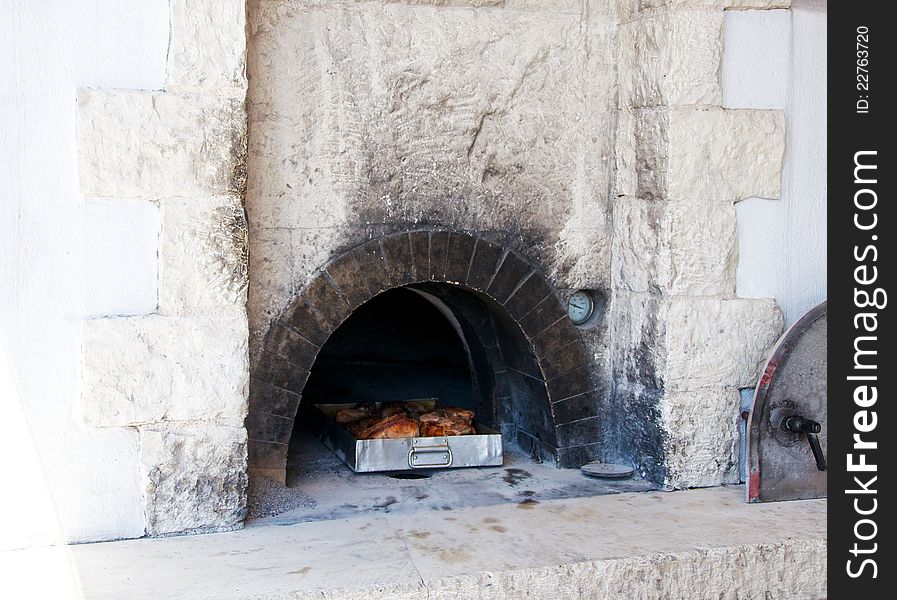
{"x": 430, "y": 456}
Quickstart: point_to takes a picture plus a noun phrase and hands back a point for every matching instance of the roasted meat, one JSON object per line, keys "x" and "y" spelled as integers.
{"x": 447, "y": 428}
{"x": 448, "y": 414}
{"x": 447, "y": 421}
{"x": 393, "y": 426}
{"x": 404, "y": 419}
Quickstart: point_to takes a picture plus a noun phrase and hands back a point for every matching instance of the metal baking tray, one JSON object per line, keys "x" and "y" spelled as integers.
{"x": 482, "y": 449}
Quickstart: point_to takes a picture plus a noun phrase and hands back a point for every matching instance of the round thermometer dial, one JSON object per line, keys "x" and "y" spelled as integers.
{"x": 580, "y": 307}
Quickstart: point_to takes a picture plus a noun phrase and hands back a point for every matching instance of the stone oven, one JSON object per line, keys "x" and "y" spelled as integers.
{"x": 531, "y": 368}
{"x": 487, "y": 157}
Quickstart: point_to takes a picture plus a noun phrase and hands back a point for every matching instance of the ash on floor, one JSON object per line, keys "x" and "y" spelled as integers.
{"x": 331, "y": 490}
{"x": 267, "y": 498}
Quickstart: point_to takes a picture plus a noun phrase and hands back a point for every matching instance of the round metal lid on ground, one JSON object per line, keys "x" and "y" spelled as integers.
{"x": 606, "y": 470}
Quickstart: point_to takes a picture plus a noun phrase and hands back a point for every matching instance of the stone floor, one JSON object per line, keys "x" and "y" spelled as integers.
{"x": 691, "y": 545}
{"x": 324, "y": 488}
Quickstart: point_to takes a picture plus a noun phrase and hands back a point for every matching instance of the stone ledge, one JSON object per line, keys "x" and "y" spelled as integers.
{"x": 696, "y": 544}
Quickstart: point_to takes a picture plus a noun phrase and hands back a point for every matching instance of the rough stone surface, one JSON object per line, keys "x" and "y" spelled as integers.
{"x": 712, "y": 342}
{"x": 140, "y": 370}
{"x": 739, "y": 4}
{"x": 671, "y": 58}
{"x": 207, "y": 51}
{"x": 154, "y": 145}
{"x": 678, "y": 362}
{"x": 702, "y": 447}
{"x": 677, "y": 248}
{"x": 683, "y": 343}
{"x": 204, "y": 257}
{"x": 710, "y": 154}
{"x": 637, "y": 323}
{"x": 449, "y": 2}
{"x": 194, "y": 476}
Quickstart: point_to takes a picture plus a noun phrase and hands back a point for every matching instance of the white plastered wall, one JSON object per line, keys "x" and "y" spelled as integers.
{"x": 772, "y": 59}
{"x": 63, "y": 259}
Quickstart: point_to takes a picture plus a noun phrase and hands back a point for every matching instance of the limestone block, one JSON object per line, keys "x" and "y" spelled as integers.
{"x": 207, "y": 47}
{"x": 120, "y": 272}
{"x": 194, "y": 476}
{"x": 573, "y": 6}
{"x": 713, "y": 343}
{"x": 675, "y": 247}
{"x": 555, "y": 5}
{"x": 204, "y": 256}
{"x": 449, "y": 2}
{"x": 709, "y": 154}
{"x": 152, "y": 145}
{"x": 703, "y": 251}
{"x": 738, "y": 4}
{"x": 148, "y": 369}
{"x": 682, "y": 343}
{"x": 640, "y": 253}
{"x": 637, "y": 331}
{"x": 671, "y": 58}
{"x": 702, "y": 436}
{"x": 399, "y": 113}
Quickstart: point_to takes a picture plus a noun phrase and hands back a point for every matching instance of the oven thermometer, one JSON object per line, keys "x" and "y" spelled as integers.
{"x": 580, "y": 307}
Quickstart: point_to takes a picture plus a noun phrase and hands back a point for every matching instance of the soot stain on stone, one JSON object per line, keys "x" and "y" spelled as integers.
{"x": 527, "y": 504}
{"x": 527, "y": 493}
{"x": 514, "y": 476}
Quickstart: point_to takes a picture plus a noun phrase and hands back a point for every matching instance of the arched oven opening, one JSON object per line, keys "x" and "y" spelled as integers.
{"x": 436, "y": 316}
{"x": 397, "y": 346}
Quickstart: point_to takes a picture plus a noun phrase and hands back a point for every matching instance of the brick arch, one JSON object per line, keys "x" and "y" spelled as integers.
{"x": 507, "y": 282}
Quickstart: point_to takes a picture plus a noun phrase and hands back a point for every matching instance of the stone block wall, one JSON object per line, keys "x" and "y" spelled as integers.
{"x": 179, "y": 375}
{"x": 586, "y": 136}
{"x": 682, "y": 343}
